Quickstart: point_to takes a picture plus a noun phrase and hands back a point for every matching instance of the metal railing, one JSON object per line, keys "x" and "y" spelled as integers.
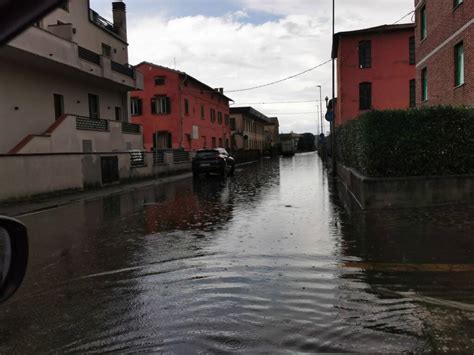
{"x": 180, "y": 156}
{"x": 102, "y": 22}
{"x": 88, "y": 55}
{"x": 158, "y": 157}
{"x": 133, "y": 128}
{"x": 122, "y": 69}
{"x": 137, "y": 158}
{"x": 92, "y": 124}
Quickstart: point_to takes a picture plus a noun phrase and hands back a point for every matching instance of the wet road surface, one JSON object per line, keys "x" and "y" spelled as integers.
{"x": 267, "y": 261}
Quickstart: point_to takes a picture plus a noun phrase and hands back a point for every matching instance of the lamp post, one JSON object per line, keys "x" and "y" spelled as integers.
{"x": 333, "y": 106}
{"x": 321, "y": 109}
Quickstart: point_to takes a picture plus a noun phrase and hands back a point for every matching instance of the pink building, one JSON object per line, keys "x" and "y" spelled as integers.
{"x": 178, "y": 111}
{"x": 375, "y": 70}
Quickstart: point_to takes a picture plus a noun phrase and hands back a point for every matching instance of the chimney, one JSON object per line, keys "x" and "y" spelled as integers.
{"x": 221, "y": 90}
{"x": 120, "y": 19}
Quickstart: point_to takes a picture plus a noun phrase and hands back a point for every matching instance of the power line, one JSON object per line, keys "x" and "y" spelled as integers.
{"x": 281, "y": 80}
{"x": 274, "y": 102}
{"x": 405, "y": 16}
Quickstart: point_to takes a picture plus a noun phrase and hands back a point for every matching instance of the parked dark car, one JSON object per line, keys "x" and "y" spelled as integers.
{"x": 213, "y": 161}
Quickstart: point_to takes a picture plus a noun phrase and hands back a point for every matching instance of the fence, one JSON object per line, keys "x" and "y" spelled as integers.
{"x": 180, "y": 156}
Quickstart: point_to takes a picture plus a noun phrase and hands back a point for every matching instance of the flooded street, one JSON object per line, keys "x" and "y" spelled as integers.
{"x": 267, "y": 261}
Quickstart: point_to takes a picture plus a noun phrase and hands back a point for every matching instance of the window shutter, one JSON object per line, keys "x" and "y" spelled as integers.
{"x": 153, "y": 106}
{"x": 139, "y": 106}
{"x": 168, "y": 105}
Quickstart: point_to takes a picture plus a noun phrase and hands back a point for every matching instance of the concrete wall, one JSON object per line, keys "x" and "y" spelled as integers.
{"x": 375, "y": 193}
{"x": 24, "y": 176}
{"x": 88, "y": 35}
{"x": 27, "y": 100}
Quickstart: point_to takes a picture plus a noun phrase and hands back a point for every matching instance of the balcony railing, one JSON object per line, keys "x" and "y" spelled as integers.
{"x": 137, "y": 158}
{"x": 123, "y": 69}
{"x": 180, "y": 156}
{"x": 130, "y": 128}
{"x": 102, "y": 22}
{"x": 88, "y": 55}
{"x": 92, "y": 124}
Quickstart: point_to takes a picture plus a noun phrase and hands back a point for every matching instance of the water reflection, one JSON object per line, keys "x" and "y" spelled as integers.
{"x": 268, "y": 261}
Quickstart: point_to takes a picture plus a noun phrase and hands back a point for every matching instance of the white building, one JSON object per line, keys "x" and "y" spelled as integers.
{"x": 64, "y": 85}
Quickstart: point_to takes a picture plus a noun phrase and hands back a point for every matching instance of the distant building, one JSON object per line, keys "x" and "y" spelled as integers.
{"x": 375, "y": 70}
{"x": 65, "y": 82}
{"x": 272, "y": 133}
{"x": 248, "y": 128}
{"x": 445, "y": 52}
{"x": 179, "y": 111}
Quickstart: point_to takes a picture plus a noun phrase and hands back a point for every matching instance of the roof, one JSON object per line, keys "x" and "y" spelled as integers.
{"x": 371, "y": 30}
{"x": 273, "y": 120}
{"x": 250, "y": 111}
{"x": 187, "y": 76}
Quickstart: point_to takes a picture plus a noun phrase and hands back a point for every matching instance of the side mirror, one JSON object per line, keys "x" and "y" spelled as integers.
{"x": 13, "y": 256}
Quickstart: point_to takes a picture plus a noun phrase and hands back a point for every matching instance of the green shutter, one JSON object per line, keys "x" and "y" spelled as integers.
{"x": 459, "y": 64}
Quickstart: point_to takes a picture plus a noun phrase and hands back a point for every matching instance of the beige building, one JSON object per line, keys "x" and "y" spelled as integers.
{"x": 65, "y": 84}
{"x": 272, "y": 133}
{"x": 248, "y": 128}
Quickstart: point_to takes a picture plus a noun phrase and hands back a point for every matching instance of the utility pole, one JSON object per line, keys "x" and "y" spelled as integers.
{"x": 333, "y": 123}
{"x": 321, "y": 109}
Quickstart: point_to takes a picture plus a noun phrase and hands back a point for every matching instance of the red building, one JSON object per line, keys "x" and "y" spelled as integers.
{"x": 375, "y": 70}
{"x": 445, "y": 52}
{"x": 178, "y": 111}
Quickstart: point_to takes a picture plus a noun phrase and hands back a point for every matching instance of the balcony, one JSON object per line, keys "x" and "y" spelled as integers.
{"x": 44, "y": 47}
{"x": 92, "y": 124}
{"x": 122, "y": 69}
{"x": 131, "y": 128}
{"x": 102, "y": 22}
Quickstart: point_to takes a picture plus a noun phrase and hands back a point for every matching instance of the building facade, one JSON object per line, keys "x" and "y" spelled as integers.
{"x": 272, "y": 134}
{"x": 66, "y": 83}
{"x": 445, "y": 52}
{"x": 375, "y": 70}
{"x": 248, "y": 128}
{"x": 178, "y": 111}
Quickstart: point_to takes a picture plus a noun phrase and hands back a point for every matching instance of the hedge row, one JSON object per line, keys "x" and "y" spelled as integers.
{"x": 393, "y": 143}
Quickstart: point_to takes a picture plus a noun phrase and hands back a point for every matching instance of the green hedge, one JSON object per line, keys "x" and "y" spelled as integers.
{"x": 428, "y": 141}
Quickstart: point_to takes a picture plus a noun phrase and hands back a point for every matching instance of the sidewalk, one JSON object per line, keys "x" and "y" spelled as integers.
{"x": 18, "y": 209}
{"x": 39, "y": 204}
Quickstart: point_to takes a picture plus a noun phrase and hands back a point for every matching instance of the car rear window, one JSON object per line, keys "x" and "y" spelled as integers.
{"x": 207, "y": 153}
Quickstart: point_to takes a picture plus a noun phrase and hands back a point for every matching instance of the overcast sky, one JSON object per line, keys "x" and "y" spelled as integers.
{"x": 238, "y": 44}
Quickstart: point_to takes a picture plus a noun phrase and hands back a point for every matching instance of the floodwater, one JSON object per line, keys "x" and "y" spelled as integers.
{"x": 267, "y": 261}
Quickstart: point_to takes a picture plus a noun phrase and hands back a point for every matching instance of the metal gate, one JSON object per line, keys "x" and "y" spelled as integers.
{"x": 110, "y": 171}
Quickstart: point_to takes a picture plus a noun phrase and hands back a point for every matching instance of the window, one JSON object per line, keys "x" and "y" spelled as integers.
{"x": 106, "y": 50}
{"x": 226, "y": 120}
{"x": 459, "y": 64}
{"x": 219, "y": 117}
{"x": 160, "y": 105}
{"x": 424, "y": 84}
{"x": 65, "y": 5}
{"x": 213, "y": 115}
{"x": 136, "y": 106}
{"x": 423, "y": 23}
{"x": 213, "y": 142}
{"x": 232, "y": 123}
{"x": 456, "y": 3}
{"x": 58, "y": 105}
{"x": 365, "y": 54}
{"x": 118, "y": 114}
{"x": 365, "y": 96}
{"x": 94, "y": 106}
{"x": 202, "y": 112}
{"x": 160, "y": 80}
{"x": 412, "y": 93}
{"x": 220, "y": 142}
{"x": 186, "y": 107}
{"x": 411, "y": 49}
{"x": 162, "y": 140}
